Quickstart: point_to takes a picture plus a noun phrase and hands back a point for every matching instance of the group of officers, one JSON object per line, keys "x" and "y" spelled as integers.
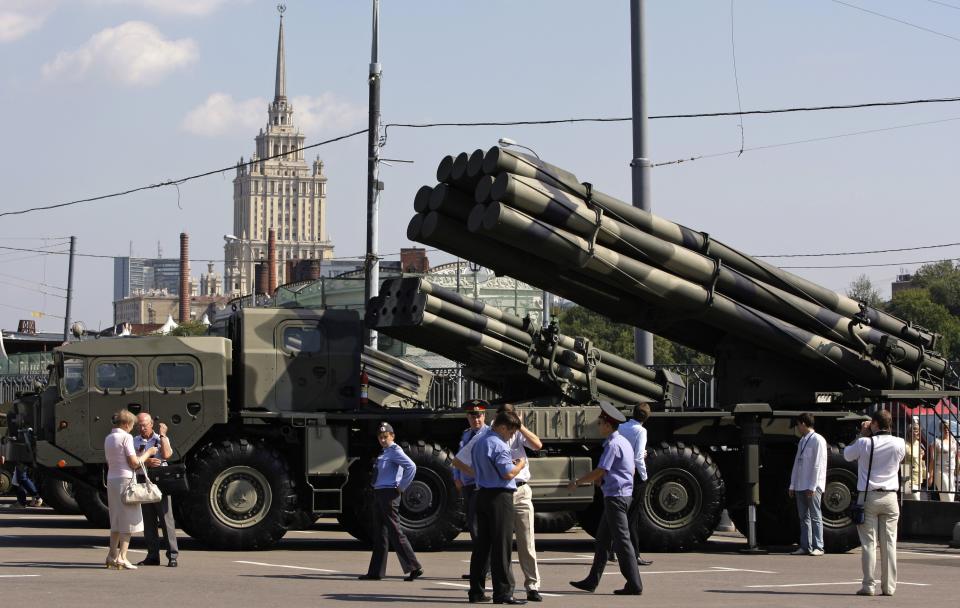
{"x": 492, "y": 472}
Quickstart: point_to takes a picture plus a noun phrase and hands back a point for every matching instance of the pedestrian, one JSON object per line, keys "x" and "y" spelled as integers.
{"x": 914, "y": 473}
{"x": 395, "y": 471}
{"x": 157, "y": 515}
{"x": 615, "y": 468}
{"x": 523, "y": 514}
{"x": 878, "y": 455}
{"x": 27, "y": 494}
{"x": 943, "y": 466}
{"x": 122, "y": 460}
{"x": 634, "y": 432}
{"x": 475, "y": 410}
{"x": 808, "y": 479}
{"x": 495, "y": 471}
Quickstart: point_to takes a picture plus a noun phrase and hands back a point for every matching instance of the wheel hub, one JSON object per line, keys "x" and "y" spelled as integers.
{"x": 673, "y": 497}
{"x": 417, "y": 498}
{"x": 240, "y": 496}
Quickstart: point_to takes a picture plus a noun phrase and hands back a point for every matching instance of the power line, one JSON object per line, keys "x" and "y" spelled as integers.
{"x": 736, "y": 77}
{"x": 946, "y": 4}
{"x": 817, "y": 255}
{"x": 34, "y": 289}
{"x": 901, "y": 21}
{"x": 16, "y": 278}
{"x": 870, "y": 265}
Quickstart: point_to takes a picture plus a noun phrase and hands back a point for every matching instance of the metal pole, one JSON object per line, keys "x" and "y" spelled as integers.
{"x": 372, "y": 286}
{"x": 546, "y": 309}
{"x": 66, "y": 316}
{"x": 642, "y": 340}
{"x": 459, "y": 395}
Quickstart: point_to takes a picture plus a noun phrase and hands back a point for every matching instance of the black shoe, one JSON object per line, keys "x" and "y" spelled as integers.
{"x": 644, "y": 562}
{"x": 413, "y": 575}
{"x": 465, "y": 577}
{"x": 584, "y": 585}
{"x": 171, "y": 563}
{"x": 149, "y": 562}
{"x": 477, "y": 599}
{"x": 534, "y": 596}
{"x": 509, "y": 600}
{"x": 626, "y": 591}
{"x": 368, "y": 577}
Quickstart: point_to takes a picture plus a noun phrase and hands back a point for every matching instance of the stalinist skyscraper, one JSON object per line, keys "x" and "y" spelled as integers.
{"x": 278, "y": 190}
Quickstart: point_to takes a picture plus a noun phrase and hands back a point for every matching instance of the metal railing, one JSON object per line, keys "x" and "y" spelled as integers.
{"x": 932, "y": 434}
{"x": 701, "y": 385}
{"x": 11, "y": 386}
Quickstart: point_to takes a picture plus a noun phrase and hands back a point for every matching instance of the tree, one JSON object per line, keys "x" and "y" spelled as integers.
{"x": 917, "y": 306}
{"x": 862, "y": 289}
{"x": 190, "y": 328}
{"x": 942, "y": 281}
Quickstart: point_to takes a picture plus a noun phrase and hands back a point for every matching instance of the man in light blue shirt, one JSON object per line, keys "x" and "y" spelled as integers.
{"x": 395, "y": 471}
{"x": 634, "y": 432}
{"x": 615, "y": 468}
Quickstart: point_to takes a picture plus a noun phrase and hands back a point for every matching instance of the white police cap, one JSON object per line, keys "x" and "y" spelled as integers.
{"x": 609, "y": 412}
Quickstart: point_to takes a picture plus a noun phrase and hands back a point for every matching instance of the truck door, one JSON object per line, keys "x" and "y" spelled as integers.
{"x": 118, "y": 383}
{"x": 303, "y": 368}
{"x": 176, "y": 399}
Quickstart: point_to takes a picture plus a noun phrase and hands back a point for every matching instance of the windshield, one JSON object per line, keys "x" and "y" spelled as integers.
{"x": 72, "y": 376}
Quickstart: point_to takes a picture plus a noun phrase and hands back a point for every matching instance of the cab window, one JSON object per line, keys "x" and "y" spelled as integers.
{"x": 116, "y": 375}
{"x": 302, "y": 340}
{"x": 73, "y": 376}
{"x": 176, "y": 375}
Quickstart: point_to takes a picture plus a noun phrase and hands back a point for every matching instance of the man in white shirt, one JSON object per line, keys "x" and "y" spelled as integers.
{"x": 522, "y": 500}
{"x": 878, "y": 455}
{"x": 633, "y": 431}
{"x": 807, "y": 483}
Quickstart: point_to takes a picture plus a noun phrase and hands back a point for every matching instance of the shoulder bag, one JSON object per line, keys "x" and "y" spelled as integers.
{"x": 141, "y": 493}
{"x": 856, "y": 509}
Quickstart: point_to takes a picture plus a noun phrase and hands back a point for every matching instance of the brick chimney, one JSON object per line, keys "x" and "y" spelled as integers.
{"x": 414, "y": 259}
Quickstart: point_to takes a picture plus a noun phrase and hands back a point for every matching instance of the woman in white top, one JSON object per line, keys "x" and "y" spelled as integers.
{"x": 943, "y": 464}
{"x": 121, "y": 462}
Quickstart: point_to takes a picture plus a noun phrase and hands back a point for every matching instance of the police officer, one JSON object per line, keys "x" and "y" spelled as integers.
{"x": 475, "y": 410}
{"x": 616, "y": 468}
{"x": 395, "y": 471}
{"x": 495, "y": 469}
{"x": 160, "y": 514}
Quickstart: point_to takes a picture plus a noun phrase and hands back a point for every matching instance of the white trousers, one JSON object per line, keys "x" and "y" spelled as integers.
{"x": 523, "y": 529}
{"x": 881, "y": 513}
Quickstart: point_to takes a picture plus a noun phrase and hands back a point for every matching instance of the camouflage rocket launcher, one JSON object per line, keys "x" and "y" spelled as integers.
{"x": 507, "y": 353}
{"x": 777, "y": 338}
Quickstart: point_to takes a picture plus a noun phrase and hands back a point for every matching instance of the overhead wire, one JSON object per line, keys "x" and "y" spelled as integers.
{"x": 901, "y": 21}
{"x": 867, "y": 252}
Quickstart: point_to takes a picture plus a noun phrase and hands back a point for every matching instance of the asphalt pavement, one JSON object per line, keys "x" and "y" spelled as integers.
{"x": 48, "y": 559}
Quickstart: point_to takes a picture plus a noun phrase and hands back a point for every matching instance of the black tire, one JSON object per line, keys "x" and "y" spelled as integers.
{"x": 682, "y": 499}
{"x": 553, "y": 522}
{"x": 589, "y": 518}
{"x": 242, "y": 496}
{"x": 92, "y": 502}
{"x": 59, "y": 495}
{"x": 839, "y": 531}
{"x": 6, "y": 482}
{"x": 431, "y": 509}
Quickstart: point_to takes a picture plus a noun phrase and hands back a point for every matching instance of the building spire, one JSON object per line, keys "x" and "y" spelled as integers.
{"x": 280, "y": 90}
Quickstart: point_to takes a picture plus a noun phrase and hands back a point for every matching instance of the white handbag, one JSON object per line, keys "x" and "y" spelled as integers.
{"x": 141, "y": 493}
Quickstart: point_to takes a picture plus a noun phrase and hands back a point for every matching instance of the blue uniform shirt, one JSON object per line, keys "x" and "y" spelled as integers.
{"x": 633, "y": 431}
{"x": 491, "y": 461}
{"x": 465, "y": 438}
{"x": 618, "y": 461}
{"x": 394, "y": 469}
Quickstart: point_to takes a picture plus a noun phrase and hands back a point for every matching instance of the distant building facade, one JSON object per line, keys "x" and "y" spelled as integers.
{"x": 285, "y": 193}
{"x": 154, "y": 307}
{"x": 211, "y": 282}
{"x": 904, "y": 281}
{"x": 133, "y": 276}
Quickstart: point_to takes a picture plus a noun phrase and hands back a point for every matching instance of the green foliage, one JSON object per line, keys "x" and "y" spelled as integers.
{"x": 862, "y": 289}
{"x": 618, "y": 337}
{"x": 918, "y": 306}
{"x": 190, "y": 328}
{"x": 942, "y": 281}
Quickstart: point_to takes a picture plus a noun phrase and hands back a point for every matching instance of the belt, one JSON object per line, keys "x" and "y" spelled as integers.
{"x": 881, "y": 490}
{"x": 521, "y": 483}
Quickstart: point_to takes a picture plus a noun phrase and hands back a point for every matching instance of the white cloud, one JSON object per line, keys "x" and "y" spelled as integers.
{"x": 20, "y": 17}
{"x": 221, "y": 114}
{"x": 192, "y": 8}
{"x": 133, "y": 53}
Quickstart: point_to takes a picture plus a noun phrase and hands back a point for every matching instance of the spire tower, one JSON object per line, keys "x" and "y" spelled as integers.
{"x": 280, "y": 89}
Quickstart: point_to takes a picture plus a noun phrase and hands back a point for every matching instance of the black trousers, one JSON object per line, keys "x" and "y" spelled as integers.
{"x": 494, "y": 542}
{"x": 470, "y": 500}
{"x": 614, "y": 530}
{"x": 633, "y": 513}
{"x": 159, "y": 516}
{"x": 388, "y": 532}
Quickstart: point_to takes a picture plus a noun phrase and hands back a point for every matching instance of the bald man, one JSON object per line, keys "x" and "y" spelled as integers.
{"x": 160, "y": 514}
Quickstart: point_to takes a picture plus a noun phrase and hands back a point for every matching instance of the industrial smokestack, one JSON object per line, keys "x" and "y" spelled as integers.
{"x": 184, "y": 277}
{"x": 272, "y": 261}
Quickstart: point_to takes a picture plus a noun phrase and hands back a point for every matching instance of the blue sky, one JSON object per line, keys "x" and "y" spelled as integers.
{"x": 104, "y": 95}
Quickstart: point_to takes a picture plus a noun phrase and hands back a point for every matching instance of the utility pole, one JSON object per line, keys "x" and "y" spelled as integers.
{"x": 371, "y": 262}
{"x": 640, "y": 165}
{"x": 66, "y": 316}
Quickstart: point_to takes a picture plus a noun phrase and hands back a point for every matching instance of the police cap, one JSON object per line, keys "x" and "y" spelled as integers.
{"x": 611, "y": 414}
{"x": 475, "y": 405}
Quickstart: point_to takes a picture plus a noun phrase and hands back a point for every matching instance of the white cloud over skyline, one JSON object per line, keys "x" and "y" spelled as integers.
{"x": 133, "y": 53}
{"x": 192, "y": 8}
{"x": 221, "y": 114}
{"x": 20, "y": 17}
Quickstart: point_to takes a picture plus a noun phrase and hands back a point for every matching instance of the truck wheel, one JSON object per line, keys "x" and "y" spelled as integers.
{"x": 242, "y": 496}
{"x": 59, "y": 494}
{"x": 6, "y": 482}
{"x": 431, "y": 510}
{"x": 553, "y": 522}
{"x": 682, "y": 499}
{"x": 839, "y": 531}
{"x": 92, "y": 502}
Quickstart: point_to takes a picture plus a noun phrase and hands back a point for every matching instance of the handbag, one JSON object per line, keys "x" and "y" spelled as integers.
{"x": 171, "y": 479}
{"x": 857, "y": 513}
{"x": 141, "y": 493}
